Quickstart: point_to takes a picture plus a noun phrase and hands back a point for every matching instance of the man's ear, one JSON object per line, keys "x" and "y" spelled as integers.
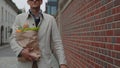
{"x": 41, "y": 1}
{"x": 28, "y": 2}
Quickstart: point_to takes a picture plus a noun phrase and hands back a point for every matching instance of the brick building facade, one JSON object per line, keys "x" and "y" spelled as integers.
{"x": 91, "y": 32}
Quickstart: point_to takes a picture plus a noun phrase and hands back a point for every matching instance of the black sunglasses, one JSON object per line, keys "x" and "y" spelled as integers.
{"x": 33, "y": 0}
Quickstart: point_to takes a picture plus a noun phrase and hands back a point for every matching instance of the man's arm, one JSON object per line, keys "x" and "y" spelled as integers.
{"x": 19, "y": 51}
{"x": 14, "y": 45}
{"x": 58, "y": 46}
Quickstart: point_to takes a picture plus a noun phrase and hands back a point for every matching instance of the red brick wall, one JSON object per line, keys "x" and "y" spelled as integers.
{"x": 91, "y": 33}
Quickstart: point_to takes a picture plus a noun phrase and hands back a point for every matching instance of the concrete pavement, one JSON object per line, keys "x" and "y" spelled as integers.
{"x": 7, "y": 57}
{"x": 8, "y": 62}
{"x": 6, "y": 51}
{"x": 4, "y": 46}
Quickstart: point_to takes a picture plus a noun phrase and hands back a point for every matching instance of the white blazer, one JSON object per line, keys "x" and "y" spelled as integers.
{"x": 48, "y": 31}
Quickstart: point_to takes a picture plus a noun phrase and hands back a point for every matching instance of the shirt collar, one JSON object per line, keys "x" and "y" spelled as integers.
{"x": 40, "y": 14}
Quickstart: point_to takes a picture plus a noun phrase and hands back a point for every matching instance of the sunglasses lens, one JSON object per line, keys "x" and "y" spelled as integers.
{"x": 33, "y": 0}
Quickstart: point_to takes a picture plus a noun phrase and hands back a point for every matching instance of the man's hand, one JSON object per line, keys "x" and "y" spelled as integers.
{"x": 26, "y": 54}
{"x": 63, "y": 66}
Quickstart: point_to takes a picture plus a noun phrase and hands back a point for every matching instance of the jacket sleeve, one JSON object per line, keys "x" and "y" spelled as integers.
{"x": 13, "y": 43}
{"x": 57, "y": 43}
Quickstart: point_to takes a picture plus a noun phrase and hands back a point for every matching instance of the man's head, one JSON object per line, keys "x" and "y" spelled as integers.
{"x": 34, "y": 3}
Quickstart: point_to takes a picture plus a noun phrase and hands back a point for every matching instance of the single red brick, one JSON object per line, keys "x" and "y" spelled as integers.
{"x": 116, "y": 2}
{"x": 103, "y": 57}
{"x": 109, "y": 60}
{"x": 117, "y": 62}
{"x": 109, "y": 33}
{"x": 109, "y": 19}
{"x": 117, "y": 47}
{"x": 109, "y": 46}
{"x": 117, "y": 32}
{"x": 117, "y": 17}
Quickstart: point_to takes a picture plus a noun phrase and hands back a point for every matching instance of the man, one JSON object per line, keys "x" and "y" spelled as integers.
{"x": 48, "y": 31}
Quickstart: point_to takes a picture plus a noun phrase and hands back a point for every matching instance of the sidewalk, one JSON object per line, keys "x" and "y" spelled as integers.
{"x": 4, "y": 46}
{"x": 8, "y": 62}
